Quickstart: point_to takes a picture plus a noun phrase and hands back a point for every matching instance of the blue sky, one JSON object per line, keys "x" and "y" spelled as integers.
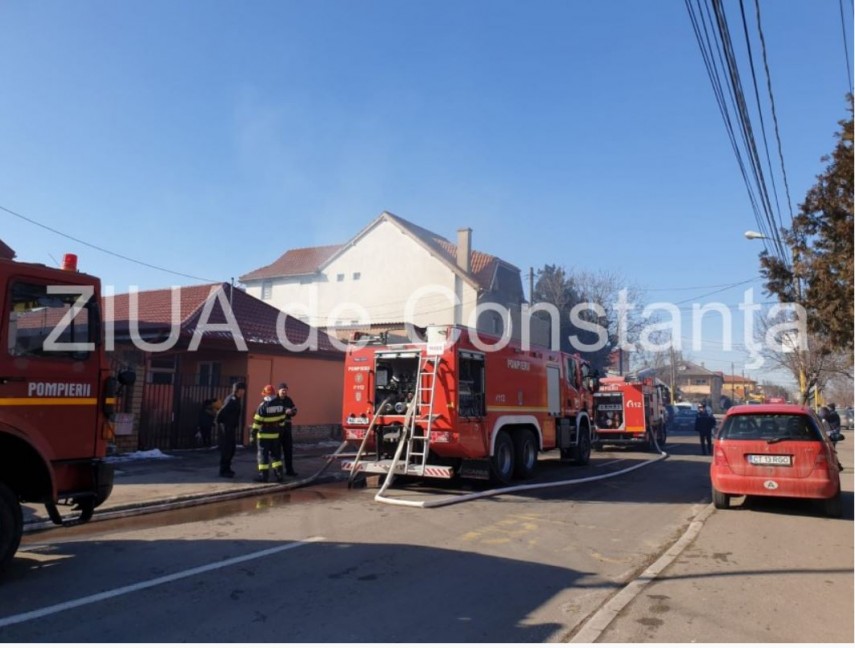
{"x": 209, "y": 137}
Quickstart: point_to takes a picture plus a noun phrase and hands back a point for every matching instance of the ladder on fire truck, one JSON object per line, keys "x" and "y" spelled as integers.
{"x": 413, "y": 439}
{"x": 418, "y": 444}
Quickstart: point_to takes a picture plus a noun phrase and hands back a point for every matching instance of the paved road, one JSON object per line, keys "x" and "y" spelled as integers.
{"x": 768, "y": 571}
{"x": 327, "y": 564}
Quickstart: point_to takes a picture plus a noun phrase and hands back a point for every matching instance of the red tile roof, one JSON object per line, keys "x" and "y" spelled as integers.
{"x": 301, "y": 261}
{"x": 256, "y": 319}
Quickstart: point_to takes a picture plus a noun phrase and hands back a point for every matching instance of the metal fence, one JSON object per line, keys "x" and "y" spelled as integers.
{"x": 169, "y": 413}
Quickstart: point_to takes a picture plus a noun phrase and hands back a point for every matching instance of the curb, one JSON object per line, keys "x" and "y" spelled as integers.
{"x": 600, "y": 621}
{"x": 186, "y": 501}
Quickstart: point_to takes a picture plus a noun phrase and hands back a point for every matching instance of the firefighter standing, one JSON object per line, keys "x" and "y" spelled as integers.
{"x": 266, "y": 427}
{"x": 286, "y": 439}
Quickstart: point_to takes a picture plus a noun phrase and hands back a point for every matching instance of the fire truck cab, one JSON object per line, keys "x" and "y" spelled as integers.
{"x": 630, "y": 412}
{"x": 57, "y": 396}
{"x": 463, "y": 403}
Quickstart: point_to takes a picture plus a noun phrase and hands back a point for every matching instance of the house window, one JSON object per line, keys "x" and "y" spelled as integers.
{"x": 209, "y": 374}
{"x": 357, "y": 276}
{"x": 161, "y": 369}
{"x": 339, "y": 277}
{"x": 266, "y": 289}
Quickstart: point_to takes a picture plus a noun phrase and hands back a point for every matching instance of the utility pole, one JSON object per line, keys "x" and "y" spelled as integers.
{"x": 732, "y": 386}
{"x": 673, "y": 373}
{"x": 531, "y": 284}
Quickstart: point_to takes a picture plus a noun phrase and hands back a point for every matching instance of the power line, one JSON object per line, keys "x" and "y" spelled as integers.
{"x": 713, "y": 35}
{"x": 774, "y": 112}
{"x": 709, "y": 49}
{"x": 757, "y": 98}
{"x": 845, "y": 48}
{"x": 104, "y": 250}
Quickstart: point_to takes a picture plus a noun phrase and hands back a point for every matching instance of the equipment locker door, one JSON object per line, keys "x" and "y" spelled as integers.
{"x": 553, "y": 386}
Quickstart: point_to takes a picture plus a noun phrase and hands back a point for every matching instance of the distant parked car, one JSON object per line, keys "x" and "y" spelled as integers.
{"x": 775, "y": 451}
{"x": 684, "y": 417}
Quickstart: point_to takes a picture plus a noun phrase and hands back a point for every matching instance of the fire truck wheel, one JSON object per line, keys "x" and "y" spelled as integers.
{"x": 11, "y": 525}
{"x": 502, "y": 461}
{"x": 581, "y": 454}
{"x": 85, "y": 506}
{"x": 525, "y": 454}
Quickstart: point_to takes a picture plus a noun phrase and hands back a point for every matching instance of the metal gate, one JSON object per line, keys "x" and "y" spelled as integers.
{"x": 169, "y": 411}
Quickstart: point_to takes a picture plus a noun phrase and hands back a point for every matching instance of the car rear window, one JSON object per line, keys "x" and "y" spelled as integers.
{"x": 770, "y": 426}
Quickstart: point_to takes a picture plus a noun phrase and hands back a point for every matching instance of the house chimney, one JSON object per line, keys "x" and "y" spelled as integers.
{"x": 464, "y": 248}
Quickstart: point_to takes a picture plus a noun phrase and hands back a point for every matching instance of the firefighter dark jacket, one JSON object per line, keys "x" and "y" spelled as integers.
{"x": 269, "y": 418}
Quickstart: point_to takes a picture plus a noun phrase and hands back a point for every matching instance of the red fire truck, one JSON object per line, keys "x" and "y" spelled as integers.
{"x": 57, "y": 396}
{"x": 630, "y": 412}
{"x": 462, "y": 403}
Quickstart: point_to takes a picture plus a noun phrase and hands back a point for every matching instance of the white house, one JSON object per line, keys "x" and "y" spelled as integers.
{"x": 392, "y": 273}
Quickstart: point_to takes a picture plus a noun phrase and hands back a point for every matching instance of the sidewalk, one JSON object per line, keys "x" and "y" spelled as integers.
{"x": 183, "y": 477}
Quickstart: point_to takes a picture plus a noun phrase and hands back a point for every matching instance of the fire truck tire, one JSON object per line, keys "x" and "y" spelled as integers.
{"x": 11, "y": 525}
{"x": 581, "y": 454}
{"x": 525, "y": 454}
{"x": 502, "y": 461}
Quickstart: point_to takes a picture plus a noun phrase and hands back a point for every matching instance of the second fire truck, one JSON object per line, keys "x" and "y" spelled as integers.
{"x": 462, "y": 403}
{"x": 630, "y": 412}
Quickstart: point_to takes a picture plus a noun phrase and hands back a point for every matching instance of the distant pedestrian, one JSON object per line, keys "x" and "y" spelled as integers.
{"x": 286, "y": 439}
{"x": 266, "y": 427}
{"x": 704, "y": 425}
{"x": 832, "y": 418}
{"x": 227, "y": 421}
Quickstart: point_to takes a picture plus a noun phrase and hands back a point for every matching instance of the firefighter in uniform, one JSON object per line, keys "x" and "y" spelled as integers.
{"x": 266, "y": 427}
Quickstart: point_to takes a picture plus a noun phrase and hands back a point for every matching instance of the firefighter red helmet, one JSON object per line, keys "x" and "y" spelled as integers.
{"x": 268, "y": 390}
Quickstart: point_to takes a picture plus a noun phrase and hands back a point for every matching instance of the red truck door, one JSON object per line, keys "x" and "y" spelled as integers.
{"x": 49, "y": 363}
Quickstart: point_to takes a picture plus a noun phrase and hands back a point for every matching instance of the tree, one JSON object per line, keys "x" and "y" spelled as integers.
{"x": 817, "y": 365}
{"x": 821, "y": 276}
{"x": 575, "y": 290}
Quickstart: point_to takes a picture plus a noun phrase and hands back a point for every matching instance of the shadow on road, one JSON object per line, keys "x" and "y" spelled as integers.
{"x": 318, "y": 592}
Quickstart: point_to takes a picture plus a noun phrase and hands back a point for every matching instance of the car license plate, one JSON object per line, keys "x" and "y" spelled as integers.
{"x": 770, "y": 460}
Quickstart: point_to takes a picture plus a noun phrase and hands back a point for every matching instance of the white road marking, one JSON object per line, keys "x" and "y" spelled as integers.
{"x": 128, "y": 589}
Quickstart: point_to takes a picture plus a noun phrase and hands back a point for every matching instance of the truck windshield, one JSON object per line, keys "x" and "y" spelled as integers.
{"x": 51, "y": 321}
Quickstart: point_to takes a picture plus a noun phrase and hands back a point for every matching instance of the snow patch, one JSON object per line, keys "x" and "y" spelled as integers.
{"x": 139, "y": 455}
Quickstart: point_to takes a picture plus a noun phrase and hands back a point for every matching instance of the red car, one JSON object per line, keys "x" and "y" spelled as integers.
{"x": 775, "y": 451}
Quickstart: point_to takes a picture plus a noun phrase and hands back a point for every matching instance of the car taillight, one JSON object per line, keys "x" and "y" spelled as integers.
{"x": 719, "y": 458}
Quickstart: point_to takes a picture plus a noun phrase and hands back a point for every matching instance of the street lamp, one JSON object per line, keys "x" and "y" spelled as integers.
{"x": 752, "y": 235}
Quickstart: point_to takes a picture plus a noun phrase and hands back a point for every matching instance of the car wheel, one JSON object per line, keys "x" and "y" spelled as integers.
{"x": 833, "y": 506}
{"x": 720, "y": 500}
{"x": 525, "y": 454}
